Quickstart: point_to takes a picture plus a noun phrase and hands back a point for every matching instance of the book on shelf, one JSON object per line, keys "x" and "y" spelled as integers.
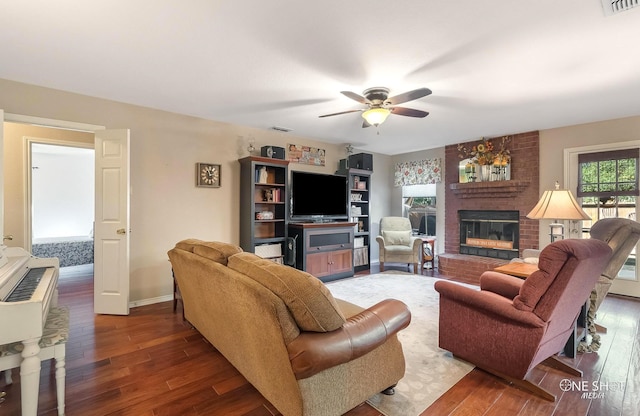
{"x": 276, "y": 194}
{"x": 272, "y": 195}
{"x": 361, "y": 256}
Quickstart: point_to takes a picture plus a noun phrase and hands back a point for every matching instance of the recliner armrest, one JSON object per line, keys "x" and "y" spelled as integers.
{"x": 492, "y": 304}
{"x": 500, "y": 283}
{"x": 313, "y": 352}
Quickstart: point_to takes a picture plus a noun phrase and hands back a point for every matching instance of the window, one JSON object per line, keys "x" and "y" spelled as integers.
{"x": 607, "y": 174}
{"x": 608, "y": 185}
{"x": 419, "y": 205}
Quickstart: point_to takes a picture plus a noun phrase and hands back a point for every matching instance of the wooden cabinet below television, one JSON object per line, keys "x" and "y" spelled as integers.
{"x": 324, "y": 250}
{"x": 329, "y": 263}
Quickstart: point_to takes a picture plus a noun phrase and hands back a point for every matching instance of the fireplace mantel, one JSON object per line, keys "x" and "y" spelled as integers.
{"x": 495, "y": 189}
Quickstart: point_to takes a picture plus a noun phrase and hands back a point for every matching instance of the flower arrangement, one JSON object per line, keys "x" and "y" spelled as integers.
{"x": 484, "y": 153}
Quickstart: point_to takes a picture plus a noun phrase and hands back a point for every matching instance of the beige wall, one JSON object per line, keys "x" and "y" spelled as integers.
{"x": 166, "y": 206}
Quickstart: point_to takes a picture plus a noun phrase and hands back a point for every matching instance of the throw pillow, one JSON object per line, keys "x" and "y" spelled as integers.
{"x": 397, "y": 238}
{"x": 307, "y": 298}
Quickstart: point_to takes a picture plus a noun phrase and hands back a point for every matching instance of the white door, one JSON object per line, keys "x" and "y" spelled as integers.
{"x": 111, "y": 246}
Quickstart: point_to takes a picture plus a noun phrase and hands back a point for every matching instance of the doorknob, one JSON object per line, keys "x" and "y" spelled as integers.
{"x": 121, "y": 231}
{"x": 7, "y": 237}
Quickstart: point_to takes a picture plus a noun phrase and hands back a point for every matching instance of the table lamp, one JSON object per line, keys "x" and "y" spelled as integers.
{"x": 558, "y": 204}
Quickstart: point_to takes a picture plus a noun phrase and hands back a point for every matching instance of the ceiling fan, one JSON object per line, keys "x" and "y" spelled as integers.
{"x": 380, "y": 105}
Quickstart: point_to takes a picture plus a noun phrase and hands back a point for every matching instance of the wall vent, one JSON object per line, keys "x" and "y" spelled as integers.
{"x": 612, "y": 7}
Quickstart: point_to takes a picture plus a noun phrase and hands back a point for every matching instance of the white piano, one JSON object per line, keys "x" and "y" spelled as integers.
{"x": 28, "y": 288}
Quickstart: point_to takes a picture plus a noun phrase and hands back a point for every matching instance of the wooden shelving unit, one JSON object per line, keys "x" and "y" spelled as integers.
{"x": 264, "y": 213}
{"x": 359, "y": 201}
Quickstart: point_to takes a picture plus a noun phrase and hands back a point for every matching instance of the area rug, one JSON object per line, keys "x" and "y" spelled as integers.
{"x": 430, "y": 371}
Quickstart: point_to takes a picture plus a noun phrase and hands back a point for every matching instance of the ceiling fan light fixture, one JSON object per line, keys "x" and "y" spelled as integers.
{"x": 376, "y": 116}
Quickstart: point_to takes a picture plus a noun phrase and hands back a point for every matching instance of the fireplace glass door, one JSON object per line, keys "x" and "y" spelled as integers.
{"x": 488, "y": 233}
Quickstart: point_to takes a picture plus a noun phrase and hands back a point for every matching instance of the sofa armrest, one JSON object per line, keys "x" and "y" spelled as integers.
{"x": 500, "y": 283}
{"x": 380, "y": 241}
{"x": 487, "y": 303}
{"x": 313, "y": 352}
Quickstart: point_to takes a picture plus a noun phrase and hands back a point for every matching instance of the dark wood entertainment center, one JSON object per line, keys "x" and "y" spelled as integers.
{"x": 323, "y": 249}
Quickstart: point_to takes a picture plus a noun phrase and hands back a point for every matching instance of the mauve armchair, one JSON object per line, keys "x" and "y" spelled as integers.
{"x": 622, "y": 235}
{"x": 511, "y": 325}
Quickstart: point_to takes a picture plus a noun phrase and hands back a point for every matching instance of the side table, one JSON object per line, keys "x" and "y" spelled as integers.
{"x": 517, "y": 269}
{"x": 428, "y": 253}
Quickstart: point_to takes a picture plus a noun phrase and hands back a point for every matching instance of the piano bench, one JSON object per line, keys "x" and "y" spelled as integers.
{"x": 52, "y": 345}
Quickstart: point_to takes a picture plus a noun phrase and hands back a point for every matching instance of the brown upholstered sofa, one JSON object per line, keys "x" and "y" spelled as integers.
{"x": 305, "y": 351}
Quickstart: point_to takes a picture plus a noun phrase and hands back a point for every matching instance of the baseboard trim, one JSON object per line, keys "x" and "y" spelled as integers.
{"x": 150, "y": 301}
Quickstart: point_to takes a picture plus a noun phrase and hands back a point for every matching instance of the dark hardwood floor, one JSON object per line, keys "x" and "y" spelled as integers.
{"x": 153, "y": 363}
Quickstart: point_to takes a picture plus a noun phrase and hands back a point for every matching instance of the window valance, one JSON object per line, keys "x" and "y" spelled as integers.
{"x": 419, "y": 172}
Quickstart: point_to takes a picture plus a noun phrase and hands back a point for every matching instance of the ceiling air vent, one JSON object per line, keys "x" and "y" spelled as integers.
{"x": 612, "y": 7}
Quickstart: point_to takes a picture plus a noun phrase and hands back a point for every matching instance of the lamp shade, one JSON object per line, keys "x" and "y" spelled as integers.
{"x": 376, "y": 116}
{"x": 558, "y": 204}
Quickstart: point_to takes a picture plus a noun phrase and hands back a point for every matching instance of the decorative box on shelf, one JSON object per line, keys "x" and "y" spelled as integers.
{"x": 264, "y": 215}
{"x": 271, "y": 252}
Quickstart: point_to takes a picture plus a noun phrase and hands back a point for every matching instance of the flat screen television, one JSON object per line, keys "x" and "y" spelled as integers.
{"x": 318, "y": 197}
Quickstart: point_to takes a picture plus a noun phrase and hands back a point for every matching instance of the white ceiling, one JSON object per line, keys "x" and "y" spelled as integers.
{"x": 495, "y": 67}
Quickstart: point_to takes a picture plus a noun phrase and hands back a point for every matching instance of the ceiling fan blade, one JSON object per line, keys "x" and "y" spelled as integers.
{"x": 356, "y": 97}
{"x": 408, "y": 96}
{"x": 342, "y": 112}
{"x": 409, "y": 112}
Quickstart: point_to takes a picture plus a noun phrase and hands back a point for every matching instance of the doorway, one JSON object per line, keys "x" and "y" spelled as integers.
{"x": 111, "y": 247}
{"x": 62, "y": 195}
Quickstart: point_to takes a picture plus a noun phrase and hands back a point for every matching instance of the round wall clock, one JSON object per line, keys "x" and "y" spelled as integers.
{"x": 208, "y": 175}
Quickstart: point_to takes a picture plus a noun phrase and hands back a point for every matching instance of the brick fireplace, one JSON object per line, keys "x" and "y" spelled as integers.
{"x": 520, "y": 193}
